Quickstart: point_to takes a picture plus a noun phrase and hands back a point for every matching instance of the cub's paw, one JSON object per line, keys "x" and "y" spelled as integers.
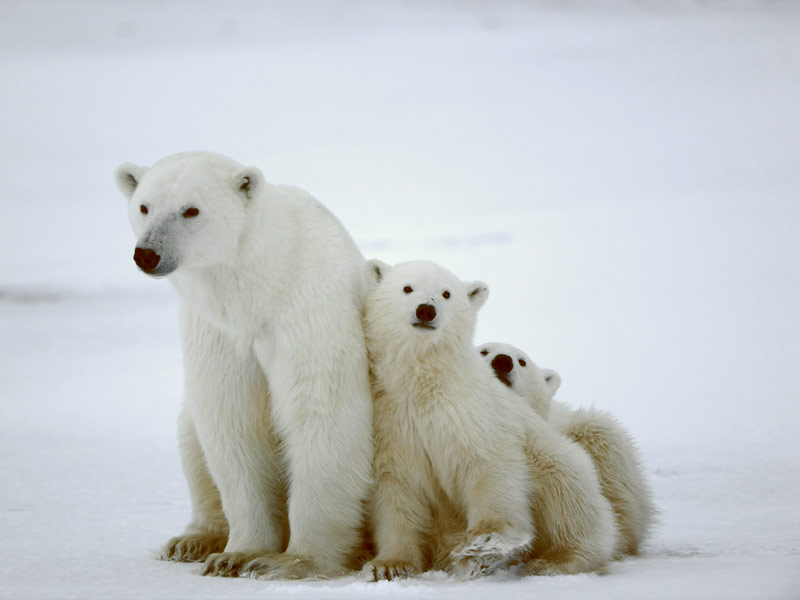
{"x": 227, "y": 564}
{"x": 471, "y": 567}
{"x": 481, "y": 554}
{"x": 288, "y": 566}
{"x": 193, "y": 547}
{"x": 387, "y": 570}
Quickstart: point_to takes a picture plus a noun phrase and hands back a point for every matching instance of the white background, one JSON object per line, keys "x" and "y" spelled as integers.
{"x": 624, "y": 175}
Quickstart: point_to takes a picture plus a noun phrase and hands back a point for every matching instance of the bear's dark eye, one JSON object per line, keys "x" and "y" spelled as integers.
{"x": 191, "y": 212}
{"x": 143, "y": 209}
{"x": 446, "y": 294}
{"x": 484, "y": 352}
{"x": 522, "y": 362}
{"x": 408, "y": 289}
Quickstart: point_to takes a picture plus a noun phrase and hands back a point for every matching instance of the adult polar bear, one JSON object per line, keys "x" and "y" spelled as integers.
{"x": 276, "y": 428}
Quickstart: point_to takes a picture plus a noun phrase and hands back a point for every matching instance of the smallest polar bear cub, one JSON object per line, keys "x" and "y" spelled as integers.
{"x": 536, "y": 385}
{"x": 452, "y": 483}
{"x": 610, "y": 446}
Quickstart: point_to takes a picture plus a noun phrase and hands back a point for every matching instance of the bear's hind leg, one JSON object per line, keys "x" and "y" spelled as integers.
{"x": 575, "y": 523}
{"x": 619, "y": 471}
{"x": 499, "y": 520}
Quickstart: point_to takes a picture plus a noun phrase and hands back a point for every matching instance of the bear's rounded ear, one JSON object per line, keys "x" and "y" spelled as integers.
{"x": 247, "y": 181}
{"x": 552, "y": 380}
{"x": 375, "y": 270}
{"x": 128, "y": 176}
{"x": 477, "y": 292}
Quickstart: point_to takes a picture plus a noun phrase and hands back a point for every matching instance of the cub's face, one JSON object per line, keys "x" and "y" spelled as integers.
{"x": 422, "y": 302}
{"x": 187, "y": 211}
{"x": 516, "y": 370}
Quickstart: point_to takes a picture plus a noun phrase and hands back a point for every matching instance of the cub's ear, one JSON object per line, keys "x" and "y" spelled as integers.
{"x": 477, "y": 292}
{"x": 128, "y": 176}
{"x": 247, "y": 181}
{"x": 552, "y": 380}
{"x": 374, "y": 271}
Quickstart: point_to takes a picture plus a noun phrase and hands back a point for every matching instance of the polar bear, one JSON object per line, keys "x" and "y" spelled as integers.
{"x": 459, "y": 484}
{"x": 606, "y": 441}
{"x": 537, "y": 386}
{"x": 276, "y": 428}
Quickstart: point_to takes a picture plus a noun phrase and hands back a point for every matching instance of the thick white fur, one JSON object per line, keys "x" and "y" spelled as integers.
{"x": 442, "y": 453}
{"x": 610, "y": 446}
{"x": 456, "y": 479}
{"x": 276, "y": 430}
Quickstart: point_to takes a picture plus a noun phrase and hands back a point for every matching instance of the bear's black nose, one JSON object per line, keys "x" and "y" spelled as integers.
{"x": 146, "y": 259}
{"x": 426, "y": 313}
{"x": 502, "y": 363}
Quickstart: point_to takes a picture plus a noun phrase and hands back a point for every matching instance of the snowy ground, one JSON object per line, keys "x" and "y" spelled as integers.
{"x": 624, "y": 175}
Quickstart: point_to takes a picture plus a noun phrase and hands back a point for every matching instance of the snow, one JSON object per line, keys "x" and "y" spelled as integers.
{"x": 622, "y": 174}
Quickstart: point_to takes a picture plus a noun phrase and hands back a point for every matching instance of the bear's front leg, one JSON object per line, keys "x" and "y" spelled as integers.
{"x": 322, "y": 408}
{"x": 398, "y": 512}
{"x": 499, "y": 518}
{"x": 207, "y": 531}
{"x": 228, "y": 401}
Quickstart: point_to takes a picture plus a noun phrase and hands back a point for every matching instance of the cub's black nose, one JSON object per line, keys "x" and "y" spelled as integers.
{"x": 146, "y": 259}
{"x": 502, "y": 363}
{"x": 426, "y": 313}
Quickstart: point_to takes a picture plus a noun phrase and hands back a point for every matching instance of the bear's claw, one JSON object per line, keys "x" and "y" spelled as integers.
{"x": 226, "y": 564}
{"x": 387, "y": 570}
{"x": 285, "y": 566}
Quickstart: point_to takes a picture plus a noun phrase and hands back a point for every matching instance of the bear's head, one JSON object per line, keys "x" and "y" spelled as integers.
{"x": 420, "y": 303}
{"x": 516, "y": 370}
{"x": 188, "y": 210}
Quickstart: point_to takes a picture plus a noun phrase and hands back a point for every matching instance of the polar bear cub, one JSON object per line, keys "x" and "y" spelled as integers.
{"x": 442, "y": 451}
{"x": 460, "y": 484}
{"x": 610, "y": 446}
{"x": 537, "y": 386}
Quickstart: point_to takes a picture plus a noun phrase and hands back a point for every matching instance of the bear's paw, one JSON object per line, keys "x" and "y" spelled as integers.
{"x": 480, "y": 554}
{"x": 227, "y": 564}
{"x": 288, "y": 566}
{"x": 194, "y": 547}
{"x": 387, "y": 570}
